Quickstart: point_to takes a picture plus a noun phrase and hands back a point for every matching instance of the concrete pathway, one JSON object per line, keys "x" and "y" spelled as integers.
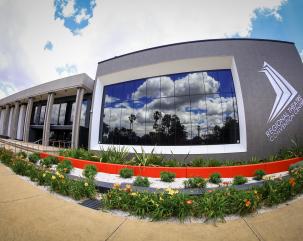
{"x": 29, "y": 213}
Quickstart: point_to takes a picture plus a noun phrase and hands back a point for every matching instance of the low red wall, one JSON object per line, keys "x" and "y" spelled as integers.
{"x": 147, "y": 171}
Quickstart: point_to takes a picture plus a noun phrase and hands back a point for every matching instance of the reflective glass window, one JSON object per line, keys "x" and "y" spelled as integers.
{"x": 197, "y": 108}
{"x": 55, "y": 114}
{"x": 181, "y": 84}
{"x": 62, "y": 113}
{"x": 153, "y": 87}
{"x": 42, "y": 115}
{"x": 72, "y": 112}
{"x": 83, "y": 113}
{"x": 196, "y": 83}
{"x": 36, "y": 116}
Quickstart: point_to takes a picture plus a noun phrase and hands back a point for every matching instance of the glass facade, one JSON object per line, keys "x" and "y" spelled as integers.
{"x": 58, "y": 114}
{"x": 83, "y": 119}
{"x": 197, "y": 108}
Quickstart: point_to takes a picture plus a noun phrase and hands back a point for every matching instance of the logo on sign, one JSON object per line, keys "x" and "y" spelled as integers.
{"x": 285, "y": 100}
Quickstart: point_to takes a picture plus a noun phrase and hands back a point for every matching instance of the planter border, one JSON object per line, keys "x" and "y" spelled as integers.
{"x": 185, "y": 172}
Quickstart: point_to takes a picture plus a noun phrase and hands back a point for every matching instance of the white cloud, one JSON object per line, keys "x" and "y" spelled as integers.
{"x": 68, "y": 9}
{"x": 82, "y": 16}
{"x": 67, "y": 70}
{"x": 6, "y": 88}
{"x": 117, "y": 27}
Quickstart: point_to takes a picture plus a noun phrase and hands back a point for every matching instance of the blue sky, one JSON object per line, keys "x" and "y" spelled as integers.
{"x": 290, "y": 28}
{"x": 54, "y": 39}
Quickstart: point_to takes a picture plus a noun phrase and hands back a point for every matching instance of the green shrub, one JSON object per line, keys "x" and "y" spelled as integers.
{"x": 79, "y": 153}
{"x": 65, "y": 166}
{"x": 126, "y": 173}
{"x": 259, "y": 174}
{"x": 34, "y": 157}
{"x": 167, "y": 176}
{"x": 171, "y": 163}
{"x": 114, "y": 154}
{"x": 215, "y": 178}
{"x": 81, "y": 189}
{"x": 22, "y": 154}
{"x": 90, "y": 171}
{"x": 6, "y": 156}
{"x": 49, "y": 161}
{"x": 19, "y": 166}
{"x": 295, "y": 165}
{"x": 141, "y": 182}
{"x": 196, "y": 182}
{"x": 239, "y": 180}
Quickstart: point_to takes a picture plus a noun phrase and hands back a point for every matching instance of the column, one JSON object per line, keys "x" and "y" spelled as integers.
{"x": 47, "y": 119}
{"x": 5, "y": 121}
{"x": 10, "y": 120}
{"x": 1, "y": 119}
{"x": 20, "y": 125}
{"x": 15, "y": 120}
{"x": 27, "y": 120}
{"x": 77, "y": 116}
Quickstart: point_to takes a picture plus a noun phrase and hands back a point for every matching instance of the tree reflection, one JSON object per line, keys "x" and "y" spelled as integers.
{"x": 168, "y": 130}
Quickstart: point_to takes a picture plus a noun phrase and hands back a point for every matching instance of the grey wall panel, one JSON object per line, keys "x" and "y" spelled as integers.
{"x": 258, "y": 93}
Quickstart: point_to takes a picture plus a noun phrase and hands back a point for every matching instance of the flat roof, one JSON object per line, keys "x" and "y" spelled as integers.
{"x": 75, "y": 81}
{"x": 195, "y": 41}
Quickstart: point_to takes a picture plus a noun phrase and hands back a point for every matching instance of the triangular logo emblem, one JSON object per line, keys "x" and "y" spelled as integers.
{"x": 284, "y": 91}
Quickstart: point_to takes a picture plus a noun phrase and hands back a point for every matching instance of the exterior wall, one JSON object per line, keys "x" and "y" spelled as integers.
{"x": 253, "y": 88}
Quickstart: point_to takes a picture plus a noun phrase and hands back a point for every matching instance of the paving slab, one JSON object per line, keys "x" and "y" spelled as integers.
{"x": 280, "y": 224}
{"x": 142, "y": 230}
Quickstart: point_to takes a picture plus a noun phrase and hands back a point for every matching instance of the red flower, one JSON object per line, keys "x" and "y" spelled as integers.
{"x": 189, "y": 202}
{"x": 292, "y": 182}
{"x": 247, "y": 202}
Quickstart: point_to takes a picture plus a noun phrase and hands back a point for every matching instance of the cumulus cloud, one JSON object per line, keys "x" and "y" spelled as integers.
{"x": 114, "y": 28}
{"x": 82, "y": 16}
{"x": 68, "y": 8}
{"x": 66, "y": 70}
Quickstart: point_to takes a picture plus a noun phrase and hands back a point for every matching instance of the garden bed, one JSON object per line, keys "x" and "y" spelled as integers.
{"x": 214, "y": 204}
{"x": 185, "y": 172}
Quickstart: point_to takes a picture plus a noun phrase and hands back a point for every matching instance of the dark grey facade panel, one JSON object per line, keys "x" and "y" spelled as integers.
{"x": 258, "y": 93}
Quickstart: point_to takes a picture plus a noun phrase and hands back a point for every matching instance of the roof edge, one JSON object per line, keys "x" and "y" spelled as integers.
{"x": 196, "y": 41}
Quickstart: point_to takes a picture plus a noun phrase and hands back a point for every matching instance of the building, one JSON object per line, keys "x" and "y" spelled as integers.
{"x": 223, "y": 99}
{"x": 54, "y": 113}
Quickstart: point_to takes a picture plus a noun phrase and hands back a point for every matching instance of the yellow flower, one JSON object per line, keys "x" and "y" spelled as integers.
{"x": 161, "y": 199}
{"x": 171, "y": 191}
{"x": 44, "y": 175}
{"x": 86, "y": 184}
{"x": 128, "y": 188}
{"x": 256, "y": 192}
{"x": 116, "y": 186}
{"x": 57, "y": 173}
{"x": 53, "y": 177}
{"x": 267, "y": 177}
{"x": 134, "y": 194}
